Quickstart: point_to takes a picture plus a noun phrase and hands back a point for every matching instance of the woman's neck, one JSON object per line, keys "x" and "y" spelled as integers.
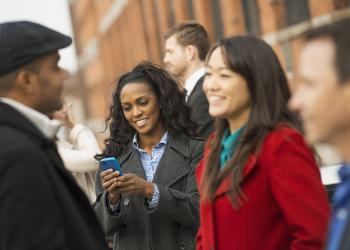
{"x": 148, "y": 142}
{"x": 238, "y": 122}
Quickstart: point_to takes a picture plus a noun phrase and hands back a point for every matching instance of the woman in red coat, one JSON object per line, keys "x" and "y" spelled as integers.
{"x": 259, "y": 182}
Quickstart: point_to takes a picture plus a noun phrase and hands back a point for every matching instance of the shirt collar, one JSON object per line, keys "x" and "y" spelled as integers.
{"x": 341, "y": 195}
{"x": 162, "y": 142}
{"x": 229, "y": 140}
{"x": 193, "y": 79}
{"x": 46, "y": 126}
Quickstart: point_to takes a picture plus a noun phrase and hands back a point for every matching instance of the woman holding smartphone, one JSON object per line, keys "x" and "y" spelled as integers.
{"x": 154, "y": 204}
{"x": 259, "y": 183}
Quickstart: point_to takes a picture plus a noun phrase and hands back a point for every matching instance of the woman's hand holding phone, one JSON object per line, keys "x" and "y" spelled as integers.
{"x": 109, "y": 183}
{"x": 133, "y": 184}
{"x": 129, "y": 183}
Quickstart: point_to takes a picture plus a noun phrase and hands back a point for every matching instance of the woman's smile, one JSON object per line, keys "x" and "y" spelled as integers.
{"x": 141, "y": 123}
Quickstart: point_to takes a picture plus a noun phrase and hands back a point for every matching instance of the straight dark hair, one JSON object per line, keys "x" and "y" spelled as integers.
{"x": 255, "y": 60}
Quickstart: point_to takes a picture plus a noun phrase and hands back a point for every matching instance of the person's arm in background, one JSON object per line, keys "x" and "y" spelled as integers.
{"x": 80, "y": 156}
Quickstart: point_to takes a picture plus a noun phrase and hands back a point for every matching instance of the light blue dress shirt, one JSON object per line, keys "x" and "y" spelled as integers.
{"x": 150, "y": 163}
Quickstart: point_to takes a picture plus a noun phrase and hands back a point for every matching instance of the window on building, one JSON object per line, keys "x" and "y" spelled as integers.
{"x": 190, "y": 9}
{"x": 341, "y": 4}
{"x": 288, "y": 57}
{"x": 217, "y": 21}
{"x": 296, "y": 11}
{"x": 171, "y": 16}
{"x": 251, "y": 16}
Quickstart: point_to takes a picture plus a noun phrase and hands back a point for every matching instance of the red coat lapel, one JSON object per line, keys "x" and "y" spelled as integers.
{"x": 225, "y": 185}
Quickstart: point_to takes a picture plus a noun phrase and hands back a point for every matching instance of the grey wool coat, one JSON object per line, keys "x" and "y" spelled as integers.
{"x": 174, "y": 222}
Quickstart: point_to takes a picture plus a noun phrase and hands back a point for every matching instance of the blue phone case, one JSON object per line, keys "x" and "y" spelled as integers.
{"x": 110, "y": 162}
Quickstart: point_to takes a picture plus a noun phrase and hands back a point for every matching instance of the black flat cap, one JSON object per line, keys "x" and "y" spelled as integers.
{"x": 21, "y": 42}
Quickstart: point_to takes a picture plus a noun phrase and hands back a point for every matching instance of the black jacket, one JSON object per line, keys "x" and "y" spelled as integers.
{"x": 41, "y": 205}
{"x": 200, "y": 110}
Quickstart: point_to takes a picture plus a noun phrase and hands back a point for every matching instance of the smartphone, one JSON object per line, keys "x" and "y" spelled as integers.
{"x": 110, "y": 162}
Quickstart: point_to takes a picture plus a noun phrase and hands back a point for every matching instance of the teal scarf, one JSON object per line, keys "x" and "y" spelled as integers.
{"x": 228, "y": 145}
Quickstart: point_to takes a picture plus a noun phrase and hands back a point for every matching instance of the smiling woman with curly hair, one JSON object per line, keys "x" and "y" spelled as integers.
{"x": 154, "y": 204}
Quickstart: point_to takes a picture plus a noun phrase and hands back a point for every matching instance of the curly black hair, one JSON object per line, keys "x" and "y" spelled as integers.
{"x": 175, "y": 114}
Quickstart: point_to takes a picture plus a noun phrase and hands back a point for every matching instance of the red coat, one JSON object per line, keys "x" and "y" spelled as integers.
{"x": 287, "y": 205}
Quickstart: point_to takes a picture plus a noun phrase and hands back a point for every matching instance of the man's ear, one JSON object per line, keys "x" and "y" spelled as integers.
{"x": 344, "y": 89}
{"x": 27, "y": 82}
{"x": 191, "y": 52}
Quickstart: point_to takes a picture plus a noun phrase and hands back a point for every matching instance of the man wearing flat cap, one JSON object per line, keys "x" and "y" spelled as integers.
{"x": 41, "y": 205}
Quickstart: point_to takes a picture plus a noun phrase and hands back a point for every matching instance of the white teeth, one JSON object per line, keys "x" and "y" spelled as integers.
{"x": 215, "y": 98}
{"x": 141, "y": 122}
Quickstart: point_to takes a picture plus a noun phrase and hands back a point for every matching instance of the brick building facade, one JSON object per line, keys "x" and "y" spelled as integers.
{"x": 113, "y": 35}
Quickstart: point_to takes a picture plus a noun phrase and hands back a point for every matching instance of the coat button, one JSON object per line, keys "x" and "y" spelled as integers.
{"x": 126, "y": 202}
{"x": 183, "y": 245}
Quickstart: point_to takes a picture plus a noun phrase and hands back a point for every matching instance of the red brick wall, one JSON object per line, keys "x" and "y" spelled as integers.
{"x": 203, "y": 14}
{"x": 233, "y": 18}
{"x": 181, "y": 12}
{"x": 318, "y": 8}
{"x": 137, "y": 34}
{"x": 271, "y": 15}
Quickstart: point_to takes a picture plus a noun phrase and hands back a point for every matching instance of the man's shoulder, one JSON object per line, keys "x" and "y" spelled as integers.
{"x": 7, "y": 132}
{"x": 197, "y": 93}
{"x": 21, "y": 154}
{"x": 199, "y": 85}
{"x": 13, "y": 139}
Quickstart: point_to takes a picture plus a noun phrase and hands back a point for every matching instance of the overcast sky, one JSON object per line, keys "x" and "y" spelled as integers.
{"x": 52, "y": 13}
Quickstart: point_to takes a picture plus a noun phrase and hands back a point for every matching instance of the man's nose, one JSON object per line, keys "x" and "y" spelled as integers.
{"x": 166, "y": 58}
{"x": 294, "y": 102}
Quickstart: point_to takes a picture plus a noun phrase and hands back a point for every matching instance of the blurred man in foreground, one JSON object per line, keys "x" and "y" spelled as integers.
{"x": 322, "y": 96}
{"x": 41, "y": 205}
